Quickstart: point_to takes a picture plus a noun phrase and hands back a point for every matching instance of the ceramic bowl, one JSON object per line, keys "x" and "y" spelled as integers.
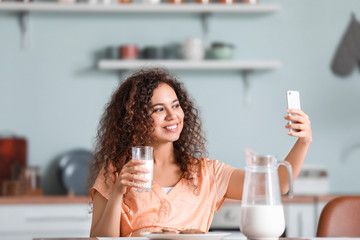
{"x": 222, "y": 51}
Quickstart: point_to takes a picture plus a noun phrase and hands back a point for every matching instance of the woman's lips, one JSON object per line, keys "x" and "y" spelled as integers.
{"x": 171, "y": 128}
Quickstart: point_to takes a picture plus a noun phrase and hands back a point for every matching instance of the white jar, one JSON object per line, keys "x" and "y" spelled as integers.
{"x": 153, "y": 1}
{"x": 193, "y": 49}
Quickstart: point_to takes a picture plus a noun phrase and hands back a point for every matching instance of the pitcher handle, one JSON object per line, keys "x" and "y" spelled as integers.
{"x": 289, "y": 168}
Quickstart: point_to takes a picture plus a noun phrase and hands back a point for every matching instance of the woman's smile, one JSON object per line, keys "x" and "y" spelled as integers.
{"x": 172, "y": 128}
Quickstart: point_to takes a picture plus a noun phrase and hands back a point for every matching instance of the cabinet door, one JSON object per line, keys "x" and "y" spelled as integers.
{"x": 300, "y": 219}
{"x": 227, "y": 218}
{"x": 44, "y": 220}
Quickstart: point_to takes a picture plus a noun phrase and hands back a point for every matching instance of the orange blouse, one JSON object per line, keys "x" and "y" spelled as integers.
{"x": 183, "y": 207}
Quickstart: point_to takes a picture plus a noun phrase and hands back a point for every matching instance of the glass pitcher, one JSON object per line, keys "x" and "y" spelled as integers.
{"x": 262, "y": 213}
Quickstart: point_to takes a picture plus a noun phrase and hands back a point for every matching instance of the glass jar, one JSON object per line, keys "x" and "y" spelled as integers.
{"x": 203, "y": 1}
{"x": 227, "y": 1}
{"x": 251, "y": 1}
{"x": 124, "y": 1}
{"x": 176, "y": 1}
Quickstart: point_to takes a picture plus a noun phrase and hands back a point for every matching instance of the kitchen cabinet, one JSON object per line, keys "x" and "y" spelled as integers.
{"x": 228, "y": 216}
{"x": 300, "y": 219}
{"x": 24, "y": 221}
{"x": 302, "y": 214}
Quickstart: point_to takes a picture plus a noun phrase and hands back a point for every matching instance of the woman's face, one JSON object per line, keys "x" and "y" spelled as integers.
{"x": 167, "y": 114}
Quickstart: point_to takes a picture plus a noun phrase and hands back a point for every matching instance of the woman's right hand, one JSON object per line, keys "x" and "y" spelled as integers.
{"x": 130, "y": 176}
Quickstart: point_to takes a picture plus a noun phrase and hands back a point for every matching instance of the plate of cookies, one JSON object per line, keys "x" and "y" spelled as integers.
{"x": 186, "y": 234}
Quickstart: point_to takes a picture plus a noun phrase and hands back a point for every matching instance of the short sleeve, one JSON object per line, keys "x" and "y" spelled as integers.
{"x": 103, "y": 185}
{"x": 222, "y": 173}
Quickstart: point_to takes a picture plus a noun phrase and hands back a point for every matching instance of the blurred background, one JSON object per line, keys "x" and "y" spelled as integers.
{"x": 58, "y": 70}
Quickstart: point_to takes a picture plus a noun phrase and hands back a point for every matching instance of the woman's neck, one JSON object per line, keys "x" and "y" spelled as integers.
{"x": 164, "y": 154}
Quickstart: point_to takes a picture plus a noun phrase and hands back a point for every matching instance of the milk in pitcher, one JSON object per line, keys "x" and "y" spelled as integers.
{"x": 262, "y": 221}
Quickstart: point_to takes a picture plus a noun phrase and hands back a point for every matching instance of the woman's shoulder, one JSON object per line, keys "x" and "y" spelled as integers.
{"x": 206, "y": 163}
{"x": 212, "y": 164}
{"x": 206, "y": 160}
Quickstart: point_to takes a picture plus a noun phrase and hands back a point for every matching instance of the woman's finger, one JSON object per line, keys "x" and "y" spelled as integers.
{"x": 295, "y": 126}
{"x": 127, "y": 183}
{"x": 134, "y": 162}
{"x": 300, "y": 123}
{"x": 137, "y": 170}
{"x": 297, "y": 118}
{"x": 133, "y": 177}
{"x": 298, "y": 112}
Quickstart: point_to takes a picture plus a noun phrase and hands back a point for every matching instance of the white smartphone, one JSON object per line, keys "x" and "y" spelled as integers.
{"x": 293, "y": 102}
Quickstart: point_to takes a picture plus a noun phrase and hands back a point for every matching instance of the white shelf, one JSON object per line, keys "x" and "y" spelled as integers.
{"x": 190, "y": 65}
{"x": 148, "y": 8}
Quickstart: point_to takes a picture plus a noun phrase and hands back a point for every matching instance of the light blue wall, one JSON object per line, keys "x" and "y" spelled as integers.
{"x": 53, "y": 95}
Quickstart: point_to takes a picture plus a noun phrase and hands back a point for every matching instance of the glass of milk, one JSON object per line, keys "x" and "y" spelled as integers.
{"x": 262, "y": 213}
{"x": 145, "y": 153}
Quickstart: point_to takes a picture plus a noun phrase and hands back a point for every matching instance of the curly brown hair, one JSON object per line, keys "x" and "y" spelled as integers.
{"x": 127, "y": 122}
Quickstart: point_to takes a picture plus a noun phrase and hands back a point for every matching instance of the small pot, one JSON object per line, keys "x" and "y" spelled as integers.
{"x": 153, "y": 52}
{"x": 227, "y": 1}
{"x": 129, "y": 51}
{"x": 124, "y": 1}
{"x": 193, "y": 49}
{"x": 203, "y": 1}
{"x": 251, "y": 1}
{"x": 153, "y": 1}
{"x": 222, "y": 51}
{"x": 176, "y": 1}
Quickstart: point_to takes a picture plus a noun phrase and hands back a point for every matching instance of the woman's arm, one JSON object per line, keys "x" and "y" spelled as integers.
{"x": 106, "y": 216}
{"x": 297, "y": 154}
{"x": 236, "y": 185}
{"x": 107, "y": 213}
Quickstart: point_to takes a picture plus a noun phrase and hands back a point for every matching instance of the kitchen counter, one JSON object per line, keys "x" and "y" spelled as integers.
{"x": 309, "y": 199}
{"x": 66, "y": 199}
{"x": 86, "y": 199}
{"x": 297, "y": 199}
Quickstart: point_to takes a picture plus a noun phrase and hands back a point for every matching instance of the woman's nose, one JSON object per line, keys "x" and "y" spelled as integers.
{"x": 170, "y": 114}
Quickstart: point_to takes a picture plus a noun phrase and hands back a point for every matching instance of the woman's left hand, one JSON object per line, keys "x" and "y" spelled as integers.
{"x": 301, "y": 125}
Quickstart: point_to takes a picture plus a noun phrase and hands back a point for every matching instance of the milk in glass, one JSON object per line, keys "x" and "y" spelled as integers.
{"x": 145, "y": 153}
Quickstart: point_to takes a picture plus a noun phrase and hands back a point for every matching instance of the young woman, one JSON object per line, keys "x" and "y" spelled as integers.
{"x": 152, "y": 108}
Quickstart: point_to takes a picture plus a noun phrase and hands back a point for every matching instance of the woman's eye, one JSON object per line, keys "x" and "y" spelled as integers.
{"x": 158, "y": 110}
{"x": 176, "y": 106}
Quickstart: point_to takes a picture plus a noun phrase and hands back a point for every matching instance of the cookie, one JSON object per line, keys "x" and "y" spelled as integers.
{"x": 191, "y": 231}
{"x": 165, "y": 231}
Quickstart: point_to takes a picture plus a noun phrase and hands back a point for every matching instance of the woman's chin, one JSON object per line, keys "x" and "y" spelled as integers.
{"x": 168, "y": 140}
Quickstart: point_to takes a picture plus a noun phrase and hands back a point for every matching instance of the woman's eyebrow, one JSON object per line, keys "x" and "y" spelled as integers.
{"x": 160, "y": 104}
